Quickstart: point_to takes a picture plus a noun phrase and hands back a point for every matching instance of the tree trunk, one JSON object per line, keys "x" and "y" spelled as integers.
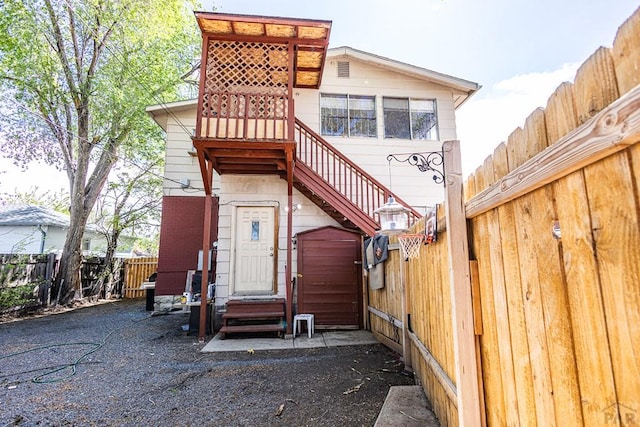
{"x": 110, "y": 267}
{"x": 68, "y": 281}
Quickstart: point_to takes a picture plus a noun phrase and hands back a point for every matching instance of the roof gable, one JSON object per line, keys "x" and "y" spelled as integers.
{"x": 464, "y": 88}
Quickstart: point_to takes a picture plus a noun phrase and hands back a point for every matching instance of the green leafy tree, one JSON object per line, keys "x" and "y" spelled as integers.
{"x": 78, "y": 75}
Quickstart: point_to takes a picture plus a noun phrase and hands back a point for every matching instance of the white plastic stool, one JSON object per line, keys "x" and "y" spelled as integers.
{"x": 296, "y": 323}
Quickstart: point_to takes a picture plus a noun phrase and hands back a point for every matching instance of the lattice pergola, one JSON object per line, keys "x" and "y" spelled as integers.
{"x": 309, "y": 37}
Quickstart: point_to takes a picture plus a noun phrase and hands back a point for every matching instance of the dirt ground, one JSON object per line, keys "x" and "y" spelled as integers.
{"x": 119, "y": 366}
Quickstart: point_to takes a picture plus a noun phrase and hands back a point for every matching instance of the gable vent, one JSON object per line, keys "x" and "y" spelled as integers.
{"x": 343, "y": 69}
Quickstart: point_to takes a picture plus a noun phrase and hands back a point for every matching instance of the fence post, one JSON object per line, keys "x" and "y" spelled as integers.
{"x": 468, "y": 394}
{"x": 49, "y": 277}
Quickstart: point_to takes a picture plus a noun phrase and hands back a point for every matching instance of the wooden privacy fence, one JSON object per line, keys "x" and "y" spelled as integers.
{"x": 136, "y": 271}
{"x": 553, "y": 263}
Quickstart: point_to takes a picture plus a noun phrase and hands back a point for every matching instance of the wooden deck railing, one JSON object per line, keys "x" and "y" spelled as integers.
{"x": 344, "y": 176}
{"x": 232, "y": 115}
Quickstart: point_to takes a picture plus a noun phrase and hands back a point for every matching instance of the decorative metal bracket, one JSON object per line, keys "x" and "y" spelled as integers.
{"x": 430, "y": 161}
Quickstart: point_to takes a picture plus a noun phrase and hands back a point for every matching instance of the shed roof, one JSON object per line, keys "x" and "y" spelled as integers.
{"x": 32, "y": 215}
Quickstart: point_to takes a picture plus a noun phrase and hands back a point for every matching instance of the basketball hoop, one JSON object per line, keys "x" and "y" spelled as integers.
{"x": 410, "y": 244}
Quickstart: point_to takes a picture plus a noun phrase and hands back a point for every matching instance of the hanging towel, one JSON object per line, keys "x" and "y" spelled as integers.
{"x": 380, "y": 248}
{"x": 375, "y": 271}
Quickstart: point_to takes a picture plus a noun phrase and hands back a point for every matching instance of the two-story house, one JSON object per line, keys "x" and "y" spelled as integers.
{"x": 279, "y": 164}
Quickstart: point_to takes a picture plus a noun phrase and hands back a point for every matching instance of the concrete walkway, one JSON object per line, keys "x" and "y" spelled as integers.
{"x": 319, "y": 339}
{"x": 406, "y": 406}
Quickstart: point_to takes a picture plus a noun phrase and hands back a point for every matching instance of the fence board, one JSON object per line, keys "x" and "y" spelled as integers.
{"x": 495, "y": 258}
{"x": 462, "y": 307}
{"x": 515, "y": 303}
{"x": 595, "y": 85}
{"x": 627, "y": 54}
{"x": 560, "y": 112}
{"x": 617, "y": 241}
{"x": 490, "y": 344}
{"x": 560, "y": 118}
{"x": 584, "y": 298}
{"x": 529, "y": 226}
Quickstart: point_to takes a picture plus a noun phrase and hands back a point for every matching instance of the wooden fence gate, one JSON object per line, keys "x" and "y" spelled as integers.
{"x": 137, "y": 271}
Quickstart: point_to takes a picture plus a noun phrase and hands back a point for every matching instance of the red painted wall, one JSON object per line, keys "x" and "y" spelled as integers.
{"x": 181, "y": 231}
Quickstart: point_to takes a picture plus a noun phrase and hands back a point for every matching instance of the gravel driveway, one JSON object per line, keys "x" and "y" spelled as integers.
{"x": 122, "y": 367}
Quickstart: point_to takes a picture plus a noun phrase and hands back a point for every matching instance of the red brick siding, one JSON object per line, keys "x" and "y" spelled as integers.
{"x": 180, "y": 240}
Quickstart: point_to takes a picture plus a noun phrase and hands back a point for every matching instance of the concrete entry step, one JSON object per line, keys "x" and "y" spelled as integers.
{"x": 406, "y": 406}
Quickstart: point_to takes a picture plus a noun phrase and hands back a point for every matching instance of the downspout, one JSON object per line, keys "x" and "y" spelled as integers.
{"x": 44, "y": 238}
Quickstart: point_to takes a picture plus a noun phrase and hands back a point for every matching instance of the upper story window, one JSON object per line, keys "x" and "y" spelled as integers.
{"x": 348, "y": 115}
{"x": 407, "y": 118}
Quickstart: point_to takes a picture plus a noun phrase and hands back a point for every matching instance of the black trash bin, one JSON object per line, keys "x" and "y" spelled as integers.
{"x": 194, "y": 319}
{"x": 150, "y": 289}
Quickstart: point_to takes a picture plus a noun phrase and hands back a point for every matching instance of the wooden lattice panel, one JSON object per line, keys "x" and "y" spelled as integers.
{"x": 234, "y": 66}
{"x": 308, "y": 38}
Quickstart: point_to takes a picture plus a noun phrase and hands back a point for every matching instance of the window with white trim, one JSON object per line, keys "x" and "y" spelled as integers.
{"x": 348, "y": 115}
{"x": 407, "y": 118}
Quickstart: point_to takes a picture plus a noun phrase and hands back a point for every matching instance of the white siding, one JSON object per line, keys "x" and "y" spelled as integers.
{"x": 179, "y": 164}
{"x": 19, "y": 239}
{"x": 27, "y": 239}
{"x": 251, "y": 190}
{"x": 55, "y": 239}
{"x": 415, "y": 187}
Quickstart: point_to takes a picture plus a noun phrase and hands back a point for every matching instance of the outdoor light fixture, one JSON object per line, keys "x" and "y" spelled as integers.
{"x": 296, "y": 207}
{"x": 394, "y": 218}
{"x": 432, "y": 161}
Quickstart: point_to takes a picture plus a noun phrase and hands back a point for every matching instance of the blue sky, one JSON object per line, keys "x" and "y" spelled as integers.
{"x": 518, "y": 50}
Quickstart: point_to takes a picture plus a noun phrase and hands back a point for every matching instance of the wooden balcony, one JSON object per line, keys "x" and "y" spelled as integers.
{"x": 245, "y": 116}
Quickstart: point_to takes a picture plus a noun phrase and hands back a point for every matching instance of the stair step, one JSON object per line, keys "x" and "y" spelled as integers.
{"x": 252, "y": 314}
{"x": 269, "y": 327}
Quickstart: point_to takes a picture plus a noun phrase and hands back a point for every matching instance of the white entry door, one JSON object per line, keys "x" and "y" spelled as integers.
{"x": 255, "y": 250}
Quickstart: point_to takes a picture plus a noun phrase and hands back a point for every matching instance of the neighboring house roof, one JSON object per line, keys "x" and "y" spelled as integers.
{"x": 466, "y": 87}
{"x": 32, "y": 215}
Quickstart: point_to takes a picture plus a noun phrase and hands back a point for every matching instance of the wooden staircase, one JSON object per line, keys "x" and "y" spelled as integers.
{"x": 337, "y": 185}
{"x": 254, "y": 315}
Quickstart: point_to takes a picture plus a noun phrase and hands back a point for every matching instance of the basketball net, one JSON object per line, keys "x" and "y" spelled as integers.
{"x": 410, "y": 245}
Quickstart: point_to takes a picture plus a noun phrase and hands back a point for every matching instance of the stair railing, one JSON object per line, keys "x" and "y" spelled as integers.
{"x": 343, "y": 175}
